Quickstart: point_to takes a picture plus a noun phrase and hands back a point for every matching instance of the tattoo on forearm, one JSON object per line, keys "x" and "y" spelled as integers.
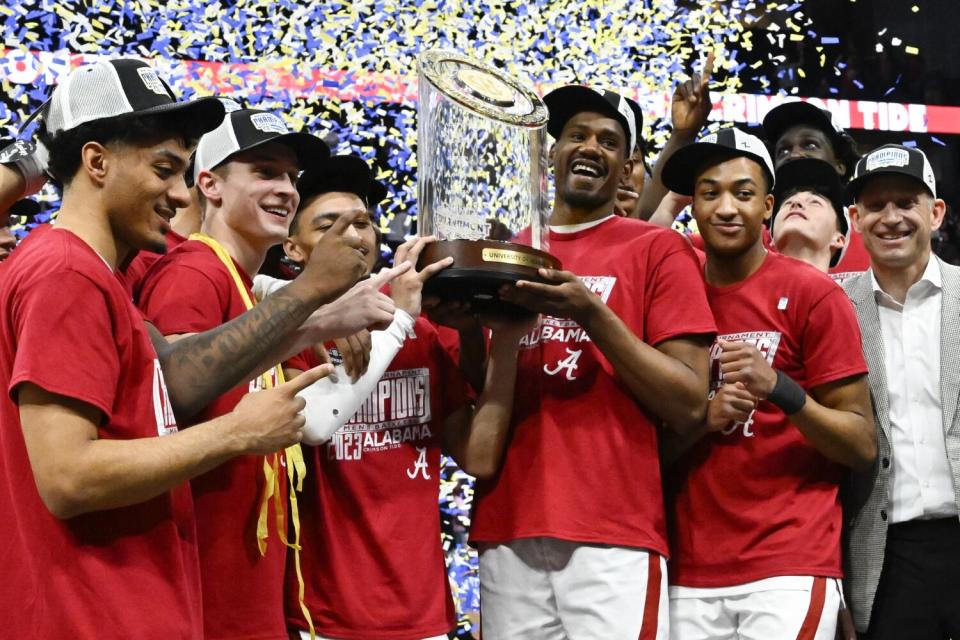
{"x": 200, "y": 368}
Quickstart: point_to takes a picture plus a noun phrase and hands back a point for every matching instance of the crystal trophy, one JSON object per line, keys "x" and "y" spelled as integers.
{"x": 482, "y": 179}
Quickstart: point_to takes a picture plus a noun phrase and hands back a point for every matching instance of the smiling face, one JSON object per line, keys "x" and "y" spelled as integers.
{"x": 589, "y": 161}
{"x": 897, "y": 216}
{"x": 807, "y": 218}
{"x": 317, "y": 216}
{"x": 255, "y": 192}
{"x": 730, "y": 203}
{"x": 804, "y": 141}
{"x": 143, "y": 188}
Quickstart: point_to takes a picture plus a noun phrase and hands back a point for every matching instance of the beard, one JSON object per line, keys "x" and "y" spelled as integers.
{"x": 590, "y": 200}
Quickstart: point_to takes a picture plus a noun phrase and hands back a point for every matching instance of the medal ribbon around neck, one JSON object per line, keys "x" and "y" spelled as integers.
{"x": 296, "y": 468}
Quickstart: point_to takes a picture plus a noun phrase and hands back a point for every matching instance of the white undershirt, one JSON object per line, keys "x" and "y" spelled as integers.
{"x": 573, "y": 228}
{"x": 922, "y": 482}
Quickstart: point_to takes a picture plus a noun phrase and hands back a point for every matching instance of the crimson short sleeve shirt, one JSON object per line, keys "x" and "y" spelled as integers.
{"x": 190, "y": 291}
{"x": 375, "y": 566}
{"x": 67, "y": 326}
{"x": 581, "y": 462}
{"x": 758, "y": 500}
{"x": 135, "y": 272}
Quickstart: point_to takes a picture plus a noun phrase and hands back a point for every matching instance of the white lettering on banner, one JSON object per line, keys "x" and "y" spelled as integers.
{"x": 766, "y": 343}
{"x": 396, "y": 412}
{"x": 162, "y": 409}
{"x": 420, "y": 465}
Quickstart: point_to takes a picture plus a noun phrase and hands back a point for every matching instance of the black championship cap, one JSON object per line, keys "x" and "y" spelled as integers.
{"x": 244, "y": 129}
{"x": 349, "y": 174}
{"x": 681, "y": 168}
{"x": 566, "y": 102}
{"x": 111, "y": 88}
{"x": 893, "y": 159}
{"x": 818, "y": 176}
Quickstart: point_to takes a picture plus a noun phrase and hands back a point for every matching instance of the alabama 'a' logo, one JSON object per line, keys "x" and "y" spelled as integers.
{"x": 162, "y": 409}
{"x": 568, "y": 366}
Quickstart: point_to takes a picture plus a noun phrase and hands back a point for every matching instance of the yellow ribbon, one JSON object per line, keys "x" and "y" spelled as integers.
{"x": 296, "y": 468}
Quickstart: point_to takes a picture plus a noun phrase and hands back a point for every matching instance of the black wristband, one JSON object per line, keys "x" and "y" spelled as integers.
{"x": 787, "y": 394}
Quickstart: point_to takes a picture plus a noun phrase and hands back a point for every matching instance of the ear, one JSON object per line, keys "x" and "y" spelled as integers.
{"x": 209, "y": 185}
{"x": 854, "y": 214}
{"x": 837, "y": 242}
{"x": 628, "y": 168}
{"x": 768, "y": 205}
{"x": 294, "y": 251}
{"x": 550, "y": 153}
{"x": 939, "y": 213}
{"x": 96, "y": 161}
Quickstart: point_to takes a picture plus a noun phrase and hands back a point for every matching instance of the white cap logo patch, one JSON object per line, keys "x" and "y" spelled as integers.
{"x": 229, "y": 105}
{"x": 268, "y": 123}
{"x": 712, "y": 138}
{"x": 887, "y": 158}
{"x": 151, "y": 80}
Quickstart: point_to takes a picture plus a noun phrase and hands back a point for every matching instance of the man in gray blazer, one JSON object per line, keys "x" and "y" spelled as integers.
{"x": 903, "y": 555}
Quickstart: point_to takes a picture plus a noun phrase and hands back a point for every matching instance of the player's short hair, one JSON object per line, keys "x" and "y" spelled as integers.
{"x": 65, "y": 146}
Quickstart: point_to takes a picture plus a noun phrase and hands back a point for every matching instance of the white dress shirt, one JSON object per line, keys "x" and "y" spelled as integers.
{"x": 922, "y": 483}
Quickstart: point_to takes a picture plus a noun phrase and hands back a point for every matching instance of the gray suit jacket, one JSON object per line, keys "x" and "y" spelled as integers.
{"x": 867, "y": 498}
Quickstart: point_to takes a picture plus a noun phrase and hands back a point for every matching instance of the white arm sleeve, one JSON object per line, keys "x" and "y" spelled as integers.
{"x": 265, "y": 285}
{"x": 334, "y": 400}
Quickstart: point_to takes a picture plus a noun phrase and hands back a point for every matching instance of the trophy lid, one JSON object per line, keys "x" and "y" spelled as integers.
{"x": 482, "y": 89}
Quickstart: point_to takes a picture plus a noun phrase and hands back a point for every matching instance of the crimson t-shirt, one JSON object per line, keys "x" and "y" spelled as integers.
{"x": 581, "y": 462}
{"x": 855, "y": 259}
{"x": 190, "y": 291}
{"x": 137, "y": 270}
{"x": 757, "y": 500}
{"x": 67, "y": 326}
{"x": 375, "y": 566}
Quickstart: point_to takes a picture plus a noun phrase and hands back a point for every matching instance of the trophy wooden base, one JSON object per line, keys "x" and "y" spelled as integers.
{"x": 480, "y": 268}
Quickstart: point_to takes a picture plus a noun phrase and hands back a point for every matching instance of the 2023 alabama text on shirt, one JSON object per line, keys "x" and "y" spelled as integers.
{"x": 375, "y": 568}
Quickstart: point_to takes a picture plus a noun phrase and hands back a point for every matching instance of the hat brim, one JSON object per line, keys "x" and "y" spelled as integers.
{"x": 679, "y": 173}
{"x": 855, "y": 186}
{"x": 822, "y": 177}
{"x": 349, "y": 174}
{"x": 310, "y": 149}
{"x": 566, "y": 102}
{"x": 812, "y": 173}
{"x": 202, "y": 114}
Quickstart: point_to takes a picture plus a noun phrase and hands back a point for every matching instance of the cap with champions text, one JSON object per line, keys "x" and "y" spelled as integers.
{"x": 245, "y": 129}
{"x": 680, "y": 171}
{"x": 568, "y": 101}
{"x": 118, "y": 87}
{"x": 893, "y": 159}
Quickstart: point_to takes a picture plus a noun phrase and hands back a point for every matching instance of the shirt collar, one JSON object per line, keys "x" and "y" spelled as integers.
{"x": 931, "y": 278}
